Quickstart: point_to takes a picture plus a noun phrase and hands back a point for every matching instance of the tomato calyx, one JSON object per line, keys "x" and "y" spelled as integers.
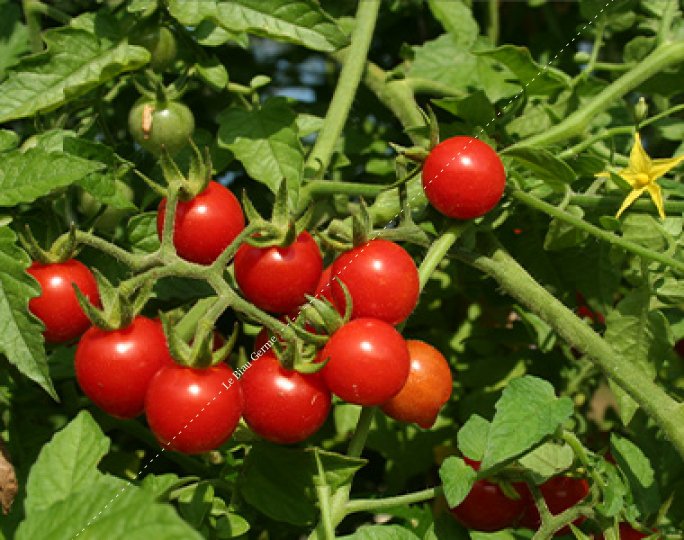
{"x": 61, "y": 250}
{"x": 282, "y": 229}
{"x": 119, "y": 305}
{"x": 198, "y": 177}
{"x": 203, "y": 350}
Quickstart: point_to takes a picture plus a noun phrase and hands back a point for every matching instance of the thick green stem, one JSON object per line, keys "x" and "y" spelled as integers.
{"x": 514, "y": 280}
{"x": 611, "y": 204}
{"x": 493, "y": 21}
{"x": 667, "y": 54}
{"x": 32, "y": 16}
{"x": 323, "y": 493}
{"x": 438, "y": 251}
{"x": 666, "y": 21}
{"x": 331, "y": 187}
{"x": 340, "y": 499}
{"x": 374, "y": 505}
{"x": 133, "y": 261}
{"x": 350, "y": 76}
{"x": 50, "y": 11}
{"x": 579, "y": 223}
{"x": 425, "y": 86}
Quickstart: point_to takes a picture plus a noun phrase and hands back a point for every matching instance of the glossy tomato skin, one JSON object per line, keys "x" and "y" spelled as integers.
{"x": 324, "y": 287}
{"x": 487, "y": 508}
{"x": 382, "y": 280}
{"x": 114, "y": 368}
{"x": 560, "y": 493}
{"x": 57, "y": 306}
{"x": 206, "y": 224}
{"x": 171, "y": 127}
{"x": 426, "y": 390}
{"x": 193, "y": 410}
{"x": 463, "y": 177}
{"x": 368, "y": 362}
{"x": 280, "y": 405}
{"x": 627, "y": 532}
{"x": 277, "y": 279}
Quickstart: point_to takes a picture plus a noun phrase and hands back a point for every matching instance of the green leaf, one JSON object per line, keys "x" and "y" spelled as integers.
{"x": 613, "y": 489}
{"x": 527, "y": 412}
{"x": 475, "y": 108}
{"x": 457, "y": 19}
{"x": 548, "y": 460}
{"x": 381, "y": 532}
{"x": 266, "y": 142}
{"x": 561, "y": 235}
{"x": 141, "y": 232}
{"x": 278, "y": 481}
{"x": 443, "y": 60}
{"x": 66, "y": 464}
{"x": 457, "y": 478}
{"x": 637, "y": 468}
{"x": 301, "y": 22}
{"x": 75, "y": 63}
{"x": 543, "y": 164}
{"x": 14, "y": 36}
{"x": 22, "y": 340}
{"x": 109, "y": 508}
{"x": 472, "y": 437}
{"x": 8, "y": 140}
{"x": 213, "y": 72}
{"x": 536, "y": 80}
{"x": 640, "y": 336}
{"x": 24, "y": 177}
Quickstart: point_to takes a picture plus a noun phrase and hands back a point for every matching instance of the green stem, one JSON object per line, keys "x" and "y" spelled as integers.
{"x": 557, "y": 522}
{"x": 332, "y": 187}
{"x": 579, "y": 451}
{"x": 167, "y": 247}
{"x": 241, "y": 89}
{"x": 586, "y": 143}
{"x": 493, "y": 21}
{"x": 374, "y": 505}
{"x": 598, "y": 41}
{"x": 33, "y": 23}
{"x": 665, "y": 55}
{"x": 666, "y": 21}
{"x": 611, "y": 66}
{"x": 438, "y": 251}
{"x": 341, "y": 497}
{"x": 350, "y": 76}
{"x": 323, "y": 493}
{"x": 513, "y": 279}
{"x": 611, "y": 204}
{"x": 50, "y": 11}
{"x": 133, "y": 261}
{"x": 579, "y": 223}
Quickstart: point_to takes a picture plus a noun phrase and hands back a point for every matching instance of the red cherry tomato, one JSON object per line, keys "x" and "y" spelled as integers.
{"x": 277, "y": 279}
{"x": 382, "y": 280}
{"x": 368, "y": 362}
{"x": 627, "y": 532}
{"x": 560, "y": 493}
{"x": 205, "y": 225}
{"x": 487, "y": 508}
{"x": 57, "y": 306}
{"x": 283, "y": 406}
{"x": 463, "y": 178}
{"x": 427, "y": 388}
{"x": 324, "y": 287}
{"x": 193, "y": 410}
{"x": 114, "y": 368}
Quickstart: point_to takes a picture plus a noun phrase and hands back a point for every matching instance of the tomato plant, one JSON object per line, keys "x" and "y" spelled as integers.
{"x": 367, "y": 362}
{"x": 427, "y": 388}
{"x": 381, "y": 278}
{"x": 193, "y": 410}
{"x": 463, "y": 177}
{"x": 433, "y": 234}
{"x": 206, "y": 224}
{"x": 282, "y": 405}
{"x": 157, "y": 125}
{"x": 298, "y": 268}
{"x": 114, "y": 367}
{"x": 57, "y": 306}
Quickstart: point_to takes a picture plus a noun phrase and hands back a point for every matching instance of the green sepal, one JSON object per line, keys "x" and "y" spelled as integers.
{"x": 417, "y": 154}
{"x": 223, "y": 352}
{"x": 118, "y": 308}
{"x": 304, "y": 221}
{"x": 172, "y": 174}
{"x": 179, "y": 349}
{"x": 322, "y": 315}
{"x": 434, "y": 127}
{"x": 251, "y": 213}
{"x": 508, "y": 490}
{"x": 62, "y": 249}
{"x": 198, "y": 177}
{"x": 280, "y": 217}
{"x": 159, "y": 190}
{"x": 361, "y": 225}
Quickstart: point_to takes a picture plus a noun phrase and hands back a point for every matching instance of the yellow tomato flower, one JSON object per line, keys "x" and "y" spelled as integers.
{"x": 642, "y": 173}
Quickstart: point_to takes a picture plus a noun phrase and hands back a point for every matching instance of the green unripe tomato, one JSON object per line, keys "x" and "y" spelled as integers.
{"x": 162, "y": 46}
{"x": 155, "y": 125}
{"x": 111, "y": 217}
